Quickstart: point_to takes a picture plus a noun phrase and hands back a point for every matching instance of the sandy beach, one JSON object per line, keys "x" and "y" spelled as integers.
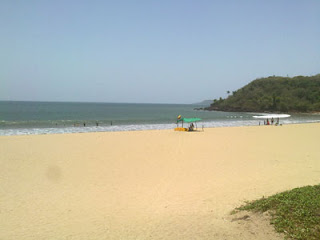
{"x": 157, "y": 184}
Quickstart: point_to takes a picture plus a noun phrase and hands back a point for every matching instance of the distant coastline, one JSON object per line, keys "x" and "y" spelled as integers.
{"x": 204, "y": 103}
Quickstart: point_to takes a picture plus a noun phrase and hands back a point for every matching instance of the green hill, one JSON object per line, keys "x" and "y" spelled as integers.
{"x": 274, "y": 94}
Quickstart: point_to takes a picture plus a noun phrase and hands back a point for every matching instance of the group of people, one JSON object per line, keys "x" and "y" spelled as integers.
{"x": 271, "y": 122}
{"x": 191, "y": 127}
{"x": 84, "y": 124}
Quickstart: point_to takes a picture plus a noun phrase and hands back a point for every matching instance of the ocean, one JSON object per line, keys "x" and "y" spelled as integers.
{"x": 22, "y": 118}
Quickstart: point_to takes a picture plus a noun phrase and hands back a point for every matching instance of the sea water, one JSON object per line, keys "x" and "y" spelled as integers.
{"x": 20, "y": 118}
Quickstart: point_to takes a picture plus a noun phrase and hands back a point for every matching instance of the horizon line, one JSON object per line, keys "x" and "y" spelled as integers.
{"x": 62, "y": 101}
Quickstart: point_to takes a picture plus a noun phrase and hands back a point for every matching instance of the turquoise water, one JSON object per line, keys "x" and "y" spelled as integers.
{"x": 18, "y": 118}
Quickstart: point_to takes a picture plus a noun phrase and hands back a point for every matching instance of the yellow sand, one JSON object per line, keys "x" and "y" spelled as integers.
{"x": 150, "y": 184}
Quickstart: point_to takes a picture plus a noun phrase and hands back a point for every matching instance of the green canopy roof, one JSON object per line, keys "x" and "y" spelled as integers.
{"x": 189, "y": 120}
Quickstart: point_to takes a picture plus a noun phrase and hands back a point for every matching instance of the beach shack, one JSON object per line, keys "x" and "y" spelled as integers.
{"x": 192, "y": 124}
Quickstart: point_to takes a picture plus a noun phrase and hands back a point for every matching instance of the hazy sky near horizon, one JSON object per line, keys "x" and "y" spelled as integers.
{"x": 151, "y": 51}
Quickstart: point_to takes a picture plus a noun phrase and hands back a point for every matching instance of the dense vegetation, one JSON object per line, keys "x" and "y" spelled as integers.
{"x": 274, "y": 94}
{"x": 295, "y": 213}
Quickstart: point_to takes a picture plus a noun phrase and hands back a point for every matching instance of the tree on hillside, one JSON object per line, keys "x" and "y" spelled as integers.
{"x": 274, "y": 94}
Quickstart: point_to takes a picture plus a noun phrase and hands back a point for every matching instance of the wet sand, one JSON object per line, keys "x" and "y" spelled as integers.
{"x": 156, "y": 184}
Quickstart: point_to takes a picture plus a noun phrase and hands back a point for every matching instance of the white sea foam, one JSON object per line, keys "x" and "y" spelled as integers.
{"x": 132, "y": 127}
{"x": 265, "y": 116}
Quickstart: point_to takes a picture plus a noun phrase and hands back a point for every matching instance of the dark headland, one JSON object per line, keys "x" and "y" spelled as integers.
{"x": 273, "y": 94}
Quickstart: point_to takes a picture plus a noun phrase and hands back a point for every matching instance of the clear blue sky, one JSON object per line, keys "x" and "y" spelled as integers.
{"x": 151, "y": 51}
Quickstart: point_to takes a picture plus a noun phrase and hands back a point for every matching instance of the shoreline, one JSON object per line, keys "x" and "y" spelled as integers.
{"x": 154, "y": 184}
{"x": 138, "y": 130}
